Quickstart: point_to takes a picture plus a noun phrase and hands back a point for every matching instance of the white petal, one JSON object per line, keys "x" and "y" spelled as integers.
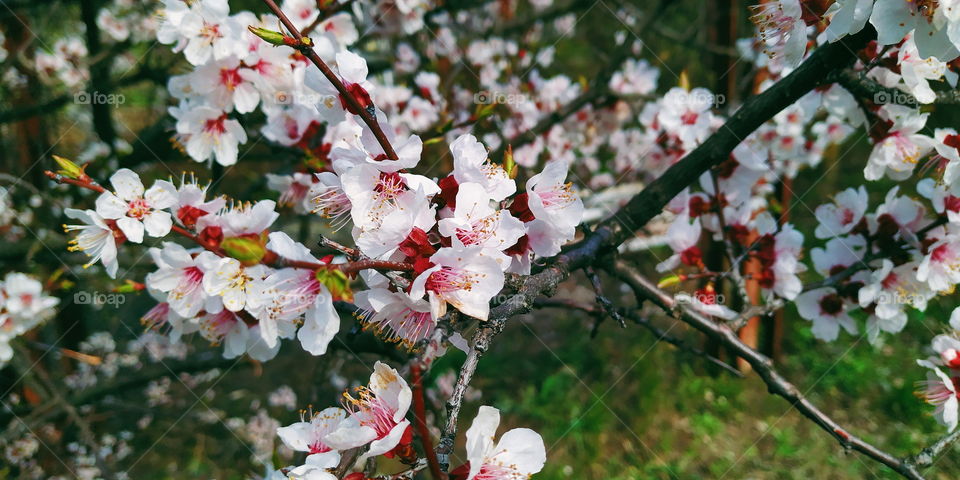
{"x": 321, "y": 324}
{"x": 480, "y": 437}
{"x": 127, "y": 184}
{"x": 131, "y": 228}
{"x": 158, "y": 224}
{"x": 109, "y": 206}
{"x": 522, "y": 449}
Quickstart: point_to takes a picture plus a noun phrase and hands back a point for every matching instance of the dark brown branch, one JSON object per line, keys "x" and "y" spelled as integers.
{"x": 813, "y": 72}
{"x": 661, "y": 334}
{"x": 605, "y": 304}
{"x": 863, "y": 87}
{"x": 776, "y": 383}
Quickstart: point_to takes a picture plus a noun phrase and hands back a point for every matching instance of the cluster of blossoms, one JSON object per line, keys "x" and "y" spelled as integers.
{"x": 66, "y": 64}
{"x": 423, "y": 244}
{"x": 374, "y": 417}
{"x": 732, "y": 202}
{"x": 23, "y": 305}
{"x": 236, "y": 73}
{"x": 246, "y": 287}
{"x": 921, "y": 31}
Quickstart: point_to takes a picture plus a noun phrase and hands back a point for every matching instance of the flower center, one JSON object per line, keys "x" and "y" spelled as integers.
{"x": 230, "y": 78}
{"x": 448, "y": 280}
{"x": 215, "y": 327}
{"x": 370, "y": 410}
{"x": 480, "y": 231}
{"x": 831, "y": 305}
{"x": 491, "y": 471}
{"x": 558, "y": 196}
{"x": 138, "y": 208}
{"x": 216, "y": 126}
{"x": 210, "y": 31}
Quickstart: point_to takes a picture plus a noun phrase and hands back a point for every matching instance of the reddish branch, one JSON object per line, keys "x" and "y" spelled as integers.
{"x": 420, "y": 421}
{"x": 368, "y": 264}
{"x": 367, "y": 115}
{"x": 83, "y": 182}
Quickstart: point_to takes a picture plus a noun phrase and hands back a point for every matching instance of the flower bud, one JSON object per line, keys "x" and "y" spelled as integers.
{"x": 269, "y": 36}
{"x": 337, "y": 283}
{"x": 130, "y": 286}
{"x": 668, "y": 281}
{"x": 249, "y": 249}
{"x": 509, "y": 165}
{"x": 68, "y": 168}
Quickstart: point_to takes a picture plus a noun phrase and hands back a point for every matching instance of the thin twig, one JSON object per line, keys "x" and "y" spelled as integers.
{"x": 929, "y": 455}
{"x": 776, "y": 383}
{"x": 643, "y": 322}
{"x": 602, "y": 300}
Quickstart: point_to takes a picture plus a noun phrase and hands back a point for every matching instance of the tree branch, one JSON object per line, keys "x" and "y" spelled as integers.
{"x": 776, "y": 383}
{"x": 645, "y": 323}
{"x": 860, "y": 86}
{"x": 928, "y": 455}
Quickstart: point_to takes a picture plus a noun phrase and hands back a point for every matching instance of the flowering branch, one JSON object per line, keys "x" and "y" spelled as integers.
{"x": 304, "y": 45}
{"x": 326, "y": 13}
{"x": 863, "y": 263}
{"x": 271, "y": 258}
